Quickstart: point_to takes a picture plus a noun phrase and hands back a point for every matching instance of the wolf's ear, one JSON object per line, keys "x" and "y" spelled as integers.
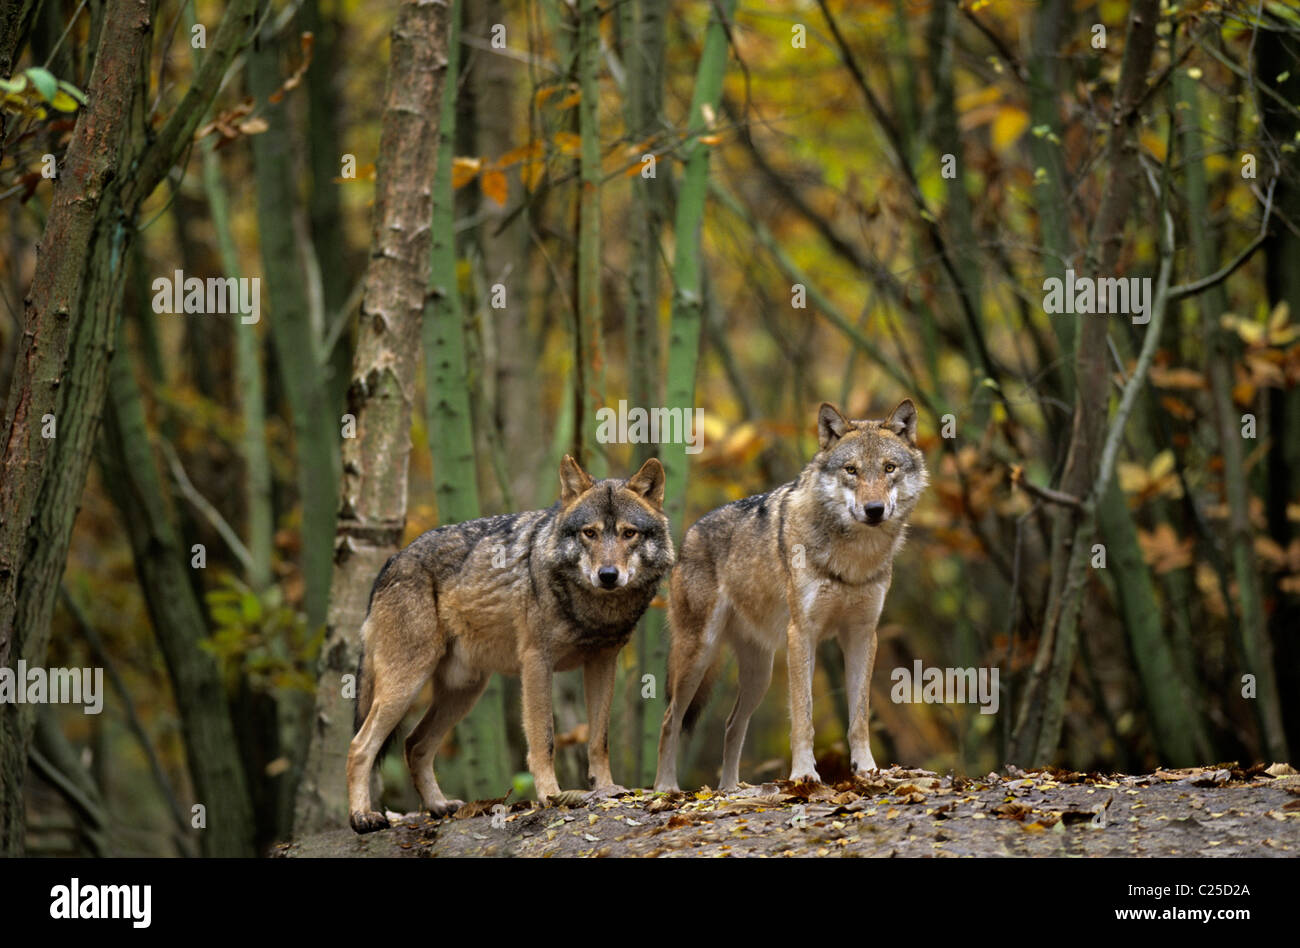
{"x": 573, "y": 480}
{"x": 902, "y": 421}
{"x": 649, "y": 482}
{"x": 831, "y": 425}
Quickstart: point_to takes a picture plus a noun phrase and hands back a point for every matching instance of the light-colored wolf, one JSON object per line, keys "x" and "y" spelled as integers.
{"x": 788, "y": 568}
{"x": 521, "y": 594}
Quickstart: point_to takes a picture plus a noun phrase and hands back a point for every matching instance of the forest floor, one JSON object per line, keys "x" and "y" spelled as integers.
{"x": 1203, "y": 811}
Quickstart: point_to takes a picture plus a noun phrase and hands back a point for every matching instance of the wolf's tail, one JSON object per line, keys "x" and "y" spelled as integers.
{"x": 365, "y": 686}
{"x": 366, "y": 696}
{"x": 701, "y": 699}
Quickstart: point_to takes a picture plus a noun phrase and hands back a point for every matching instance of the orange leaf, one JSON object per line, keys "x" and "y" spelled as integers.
{"x": 495, "y": 186}
{"x": 464, "y": 170}
{"x": 531, "y": 171}
{"x": 532, "y": 150}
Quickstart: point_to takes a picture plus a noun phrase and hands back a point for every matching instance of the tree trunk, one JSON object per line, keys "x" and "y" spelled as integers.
{"x": 688, "y": 295}
{"x": 589, "y": 342}
{"x": 62, "y": 367}
{"x": 381, "y": 396}
{"x": 1038, "y": 724}
{"x": 643, "y": 29}
{"x": 161, "y": 562}
{"x": 1275, "y": 56}
{"x": 298, "y": 343}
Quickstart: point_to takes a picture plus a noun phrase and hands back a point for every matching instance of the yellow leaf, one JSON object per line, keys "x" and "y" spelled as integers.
{"x": 1161, "y": 464}
{"x": 568, "y": 143}
{"x": 495, "y": 186}
{"x": 569, "y": 101}
{"x": 710, "y": 139}
{"x": 464, "y": 170}
{"x": 1154, "y": 144}
{"x": 64, "y": 102}
{"x": 1251, "y": 333}
{"x": 973, "y": 100}
{"x": 1278, "y": 318}
{"x": 1009, "y": 126}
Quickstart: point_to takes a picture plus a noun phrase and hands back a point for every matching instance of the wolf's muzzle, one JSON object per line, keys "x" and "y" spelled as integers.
{"x": 608, "y": 576}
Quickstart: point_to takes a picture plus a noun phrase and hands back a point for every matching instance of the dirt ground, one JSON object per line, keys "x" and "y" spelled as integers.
{"x": 1206, "y": 811}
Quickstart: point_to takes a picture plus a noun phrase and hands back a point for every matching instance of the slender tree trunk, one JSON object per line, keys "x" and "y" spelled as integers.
{"x": 589, "y": 352}
{"x": 643, "y": 28}
{"x": 1038, "y": 726}
{"x": 688, "y": 294}
{"x": 1275, "y": 58}
{"x": 162, "y": 560}
{"x": 381, "y": 397}
{"x": 451, "y": 432}
{"x": 1050, "y": 193}
{"x": 297, "y": 341}
{"x": 450, "y": 420}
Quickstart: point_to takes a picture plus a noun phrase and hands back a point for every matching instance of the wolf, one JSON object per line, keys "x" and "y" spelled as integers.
{"x": 521, "y": 594}
{"x": 808, "y": 560}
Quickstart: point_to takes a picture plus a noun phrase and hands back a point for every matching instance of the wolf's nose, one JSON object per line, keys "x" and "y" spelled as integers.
{"x": 875, "y": 512}
{"x": 608, "y": 576}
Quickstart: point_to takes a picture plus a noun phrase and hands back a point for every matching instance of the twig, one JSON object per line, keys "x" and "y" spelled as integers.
{"x": 1184, "y": 290}
{"x": 209, "y": 512}
{"x": 1049, "y": 494}
{"x": 1150, "y": 341}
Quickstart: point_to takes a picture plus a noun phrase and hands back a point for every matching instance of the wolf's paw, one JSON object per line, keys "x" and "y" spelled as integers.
{"x": 667, "y": 787}
{"x": 864, "y": 765}
{"x": 798, "y": 775}
{"x": 564, "y": 798}
{"x": 443, "y": 808}
{"x": 368, "y": 822}
{"x": 604, "y": 793}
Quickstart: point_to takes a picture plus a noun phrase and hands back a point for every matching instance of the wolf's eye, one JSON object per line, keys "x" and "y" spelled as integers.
{"x": 850, "y": 469}
{"x": 629, "y": 534}
{"x": 890, "y": 468}
{"x": 589, "y": 533}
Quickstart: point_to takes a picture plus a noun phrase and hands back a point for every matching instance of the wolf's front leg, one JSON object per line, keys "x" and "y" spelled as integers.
{"x": 801, "y": 650}
{"x": 858, "y": 642}
{"x": 598, "y": 684}
{"x": 859, "y": 649}
{"x": 539, "y": 723}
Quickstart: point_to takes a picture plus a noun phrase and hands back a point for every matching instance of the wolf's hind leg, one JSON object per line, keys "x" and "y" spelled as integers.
{"x": 692, "y": 655}
{"x": 446, "y": 710}
{"x": 391, "y": 699}
{"x": 755, "y": 677}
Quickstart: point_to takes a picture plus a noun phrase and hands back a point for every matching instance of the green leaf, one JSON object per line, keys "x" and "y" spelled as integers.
{"x": 44, "y": 82}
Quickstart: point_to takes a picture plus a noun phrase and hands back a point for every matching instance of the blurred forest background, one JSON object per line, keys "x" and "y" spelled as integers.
{"x": 743, "y": 207}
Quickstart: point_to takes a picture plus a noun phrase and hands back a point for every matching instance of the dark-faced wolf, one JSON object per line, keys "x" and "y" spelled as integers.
{"x": 522, "y": 594}
{"x": 788, "y": 568}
